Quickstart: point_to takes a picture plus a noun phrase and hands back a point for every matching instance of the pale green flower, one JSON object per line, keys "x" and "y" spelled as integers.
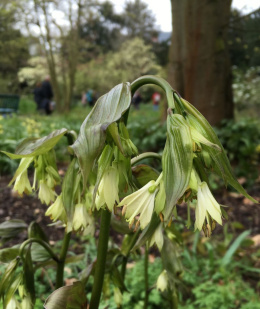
{"x": 162, "y": 281}
{"x": 82, "y": 221}
{"x": 26, "y": 303}
{"x": 118, "y": 296}
{"x": 193, "y": 183}
{"x": 22, "y": 184}
{"x": 46, "y": 195}
{"x": 13, "y": 304}
{"x": 206, "y": 206}
{"x": 157, "y": 237}
{"x": 108, "y": 189}
{"x": 57, "y": 211}
{"x": 140, "y": 203}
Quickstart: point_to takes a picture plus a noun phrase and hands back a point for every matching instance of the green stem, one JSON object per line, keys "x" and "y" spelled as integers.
{"x": 145, "y": 156}
{"x": 42, "y": 243}
{"x": 146, "y": 278}
{"x": 71, "y": 138}
{"x": 156, "y": 80}
{"x": 125, "y": 258}
{"x": 101, "y": 259}
{"x": 61, "y": 263}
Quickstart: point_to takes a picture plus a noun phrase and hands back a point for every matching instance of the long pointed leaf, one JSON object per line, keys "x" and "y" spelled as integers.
{"x": 176, "y": 161}
{"x": 31, "y": 147}
{"x": 222, "y": 164}
{"x": 108, "y": 109}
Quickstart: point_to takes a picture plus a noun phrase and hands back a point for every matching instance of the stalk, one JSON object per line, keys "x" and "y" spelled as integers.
{"x": 150, "y": 79}
{"x": 43, "y": 244}
{"x": 145, "y": 156}
{"x": 61, "y": 263}
{"x": 146, "y": 278}
{"x": 101, "y": 259}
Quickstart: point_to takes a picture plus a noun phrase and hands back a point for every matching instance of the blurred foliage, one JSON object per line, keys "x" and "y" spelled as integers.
{"x": 220, "y": 272}
{"x": 244, "y": 39}
{"x": 241, "y": 140}
{"x": 246, "y": 90}
{"x": 34, "y": 72}
{"x": 13, "y": 47}
{"x": 133, "y": 59}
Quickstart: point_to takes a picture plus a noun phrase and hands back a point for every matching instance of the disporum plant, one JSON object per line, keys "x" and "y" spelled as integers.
{"x": 104, "y": 181}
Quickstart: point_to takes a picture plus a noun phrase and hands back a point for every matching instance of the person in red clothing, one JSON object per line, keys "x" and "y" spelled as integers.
{"x": 156, "y": 97}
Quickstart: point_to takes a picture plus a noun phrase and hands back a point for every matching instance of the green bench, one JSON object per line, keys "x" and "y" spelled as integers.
{"x": 9, "y": 103}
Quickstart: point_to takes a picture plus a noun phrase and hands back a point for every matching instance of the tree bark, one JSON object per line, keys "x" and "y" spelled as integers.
{"x": 199, "y": 67}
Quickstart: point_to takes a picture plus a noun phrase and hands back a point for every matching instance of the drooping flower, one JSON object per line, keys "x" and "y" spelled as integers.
{"x": 108, "y": 189}
{"x": 157, "y": 237}
{"x": 162, "y": 281}
{"x": 81, "y": 219}
{"x": 140, "y": 203}
{"x": 22, "y": 184}
{"x": 46, "y": 195}
{"x": 206, "y": 206}
{"x": 57, "y": 211}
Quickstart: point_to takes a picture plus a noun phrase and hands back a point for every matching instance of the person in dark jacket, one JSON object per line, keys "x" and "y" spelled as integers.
{"x": 47, "y": 95}
{"x": 38, "y": 95}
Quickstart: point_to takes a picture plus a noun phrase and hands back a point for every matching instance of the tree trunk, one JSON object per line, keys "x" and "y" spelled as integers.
{"x": 199, "y": 67}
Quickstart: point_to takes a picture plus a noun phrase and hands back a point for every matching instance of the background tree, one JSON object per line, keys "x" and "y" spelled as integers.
{"x": 100, "y": 31}
{"x": 59, "y": 40}
{"x": 133, "y": 59}
{"x": 13, "y": 47}
{"x": 139, "y": 21}
{"x": 199, "y": 66}
{"x": 244, "y": 39}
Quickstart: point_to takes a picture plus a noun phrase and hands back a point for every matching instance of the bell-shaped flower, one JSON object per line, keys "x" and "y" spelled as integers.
{"x": 57, "y": 211}
{"x": 162, "y": 281}
{"x": 118, "y": 297}
{"x": 157, "y": 237}
{"x": 46, "y": 195}
{"x": 206, "y": 206}
{"x": 81, "y": 219}
{"x": 140, "y": 203}
{"x": 108, "y": 189}
{"x": 22, "y": 184}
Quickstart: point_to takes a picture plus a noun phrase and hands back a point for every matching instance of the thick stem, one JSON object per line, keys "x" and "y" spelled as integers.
{"x": 43, "y": 244}
{"x": 101, "y": 259}
{"x": 145, "y": 156}
{"x": 146, "y": 278}
{"x": 156, "y": 80}
{"x": 61, "y": 263}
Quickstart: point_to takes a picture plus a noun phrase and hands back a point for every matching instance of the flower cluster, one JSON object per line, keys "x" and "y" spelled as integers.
{"x": 100, "y": 175}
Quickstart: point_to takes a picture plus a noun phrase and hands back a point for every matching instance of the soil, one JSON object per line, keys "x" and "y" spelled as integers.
{"x": 29, "y": 208}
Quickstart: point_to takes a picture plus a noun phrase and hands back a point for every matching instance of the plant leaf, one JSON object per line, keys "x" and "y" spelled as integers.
{"x": 147, "y": 233}
{"x": 35, "y": 231}
{"x": 143, "y": 174}
{"x": 177, "y": 161}
{"x": 22, "y": 167}
{"x": 11, "y": 228}
{"x": 28, "y": 275}
{"x": 12, "y": 288}
{"x": 222, "y": 164}
{"x": 227, "y": 258}
{"x": 171, "y": 260}
{"x": 90, "y": 142}
{"x": 8, "y": 275}
{"x": 8, "y": 254}
{"x": 31, "y": 147}
{"x": 68, "y": 191}
{"x": 67, "y": 297}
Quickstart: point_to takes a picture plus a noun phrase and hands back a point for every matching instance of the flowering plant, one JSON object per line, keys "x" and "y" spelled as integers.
{"x": 104, "y": 179}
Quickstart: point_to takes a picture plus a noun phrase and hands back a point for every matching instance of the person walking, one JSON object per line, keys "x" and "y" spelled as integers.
{"x": 47, "y": 95}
